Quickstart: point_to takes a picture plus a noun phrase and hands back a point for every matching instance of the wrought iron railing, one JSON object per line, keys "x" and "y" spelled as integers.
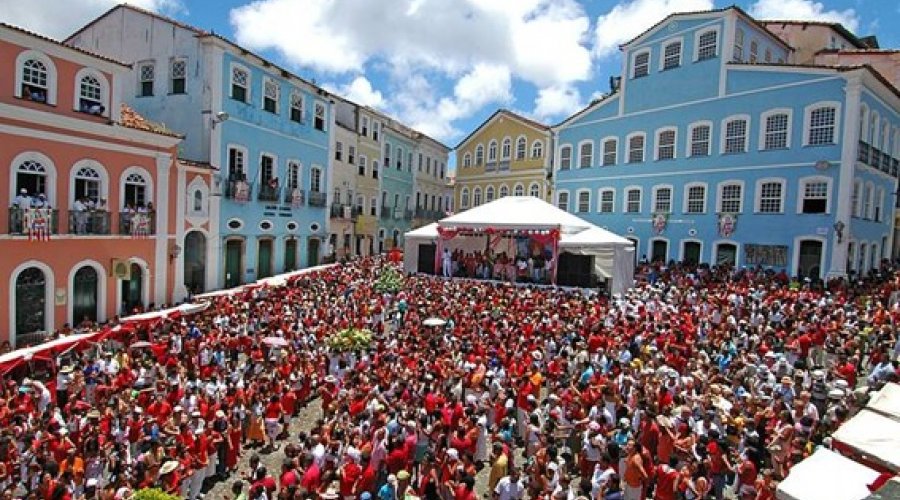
{"x": 89, "y": 222}
{"x": 24, "y": 221}
{"x": 317, "y": 199}
{"x": 137, "y": 223}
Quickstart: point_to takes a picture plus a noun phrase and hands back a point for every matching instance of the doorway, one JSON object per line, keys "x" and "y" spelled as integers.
{"x": 312, "y": 252}
{"x": 31, "y": 297}
{"x": 234, "y": 253}
{"x": 195, "y": 262}
{"x": 264, "y": 259}
{"x": 809, "y": 263}
{"x": 133, "y": 290}
{"x": 290, "y": 254}
{"x": 84, "y": 295}
{"x": 726, "y": 254}
{"x": 426, "y": 258}
{"x": 659, "y": 251}
{"x": 691, "y": 252}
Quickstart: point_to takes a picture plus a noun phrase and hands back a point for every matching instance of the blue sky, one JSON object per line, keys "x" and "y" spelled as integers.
{"x": 443, "y": 66}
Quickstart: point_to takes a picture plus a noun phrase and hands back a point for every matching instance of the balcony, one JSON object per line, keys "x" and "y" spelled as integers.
{"x": 408, "y": 214}
{"x": 339, "y": 211}
{"x": 137, "y": 223}
{"x": 431, "y": 215}
{"x": 268, "y": 192}
{"x": 878, "y": 159}
{"x": 296, "y": 197}
{"x": 238, "y": 190}
{"x": 504, "y": 165}
{"x": 387, "y": 212}
{"x": 862, "y": 152}
{"x": 30, "y": 221}
{"x": 490, "y": 166}
{"x": 89, "y": 222}
{"x": 317, "y": 199}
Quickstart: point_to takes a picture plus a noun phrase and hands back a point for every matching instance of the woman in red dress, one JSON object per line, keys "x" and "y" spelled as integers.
{"x": 233, "y": 440}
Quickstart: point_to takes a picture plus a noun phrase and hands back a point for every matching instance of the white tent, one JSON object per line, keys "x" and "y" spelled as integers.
{"x": 826, "y": 474}
{"x": 613, "y": 256}
{"x": 886, "y": 401}
{"x": 871, "y": 438}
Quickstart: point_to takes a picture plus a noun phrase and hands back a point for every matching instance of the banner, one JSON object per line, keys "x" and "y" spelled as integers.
{"x": 659, "y": 221}
{"x": 297, "y": 198}
{"x": 39, "y": 223}
{"x": 241, "y": 191}
{"x": 140, "y": 225}
{"x": 727, "y": 224}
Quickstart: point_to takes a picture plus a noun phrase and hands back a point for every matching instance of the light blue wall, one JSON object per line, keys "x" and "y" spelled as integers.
{"x": 396, "y": 181}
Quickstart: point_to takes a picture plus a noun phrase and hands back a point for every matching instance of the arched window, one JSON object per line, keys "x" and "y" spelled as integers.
{"x": 504, "y": 191}
{"x": 537, "y": 149}
{"x": 31, "y": 301}
{"x": 91, "y": 95}
{"x": 31, "y": 176}
{"x": 521, "y": 147}
{"x": 87, "y": 184}
{"x": 492, "y": 151}
{"x": 479, "y": 155}
{"x": 35, "y": 84}
{"x": 506, "y": 150}
{"x": 464, "y": 198}
{"x": 476, "y": 197}
{"x": 467, "y": 160}
{"x": 519, "y": 190}
{"x": 535, "y": 191}
{"x": 136, "y": 192}
{"x": 489, "y": 194}
{"x": 198, "y": 200}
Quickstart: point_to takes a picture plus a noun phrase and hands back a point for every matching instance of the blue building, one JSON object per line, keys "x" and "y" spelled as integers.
{"x": 399, "y": 148}
{"x": 716, "y": 146}
{"x": 265, "y": 131}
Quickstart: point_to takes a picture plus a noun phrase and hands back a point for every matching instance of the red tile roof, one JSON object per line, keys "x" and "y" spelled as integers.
{"x": 131, "y": 119}
{"x": 61, "y": 44}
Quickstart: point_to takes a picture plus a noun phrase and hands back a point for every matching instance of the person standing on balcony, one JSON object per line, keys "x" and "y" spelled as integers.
{"x": 81, "y": 215}
{"x": 22, "y": 200}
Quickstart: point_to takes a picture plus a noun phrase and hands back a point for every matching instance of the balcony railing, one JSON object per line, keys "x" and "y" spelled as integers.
{"x": 387, "y": 212}
{"x": 862, "y": 152}
{"x": 408, "y": 214}
{"x": 503, "y": 165}
{"x": 876, "y": 158}
{"x": 339, "y": 211}
{"x": 137, "y": 223}
{"x": 89, "y": 222}
{"x": 267, "y": 192}
{"x": 422, "y": 213}
{"x": 238, "y": 190}
{"x": 33, "y": 221}
{"x": 317, "y": 199}
{"x": 296, "y": 197}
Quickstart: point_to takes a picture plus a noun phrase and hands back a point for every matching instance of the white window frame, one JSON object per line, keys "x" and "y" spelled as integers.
{"x": 531, "y": 188}
{"x": 102, "y": 178}
{"x": 479, "y": 151}
{"x": 662, "y": 53}
{"x": 754, "y": 51}
{"x": 248, "y": 89}
{"x": 245, "y": 158}
{"x": 561, "y": 149}
{"x": 140, "y": 80}
{"x": 148, "y": 185}
{"x": 578, "y": 204}
{"x": 297, "y": 97}
{"x": 633, "y": 72}
{"x": 879, "y": 205}
{"x": 492, "y": 151}
{"x": 559, "y": 194}
{"x": 698, "y": 34}
{"x": 690, "y": 138}
{"x": 506, "y": 148}
{"x": 763, "y": 118}
{"x": 720, "y": 187}
{"x": 687, "y": 198}
{"x": 600, "y": 202}
{"x": 603, "y": 142}
{"x": 581, "y": 144}
{"x": 537, "y": 149}
{"x": 269, "y": 80}
{"x": 467, "y": 160}
{"x": 523, "y": 142}
{"x": 519, "y": 189}
{"x": 724, "y": 137}
{"x": 856, "y": 198}
{"x": 656, "y": 144}
{"x": 737, "y": 52}
{"x": 171, "y": 79}
{"x": 801, "y": 184}
{"x": 640, "y": 191}
{"x": 628, "y": 147}
{"x": 655, "y": 200}
{"x": 489, "y": 193}
{"x": 289, "y": 165}
{"x": 51, "y": 73}
{"x": 324, "y": 108}
{"x": 464, "y": 198}
{"x": 502, "y": 191}
{"x": 757, "y": 197}
{"x": 323, "y": 188}
{"x": 477, "y": 199}
{"x": 869, "y": 201}
{"x": 807, "y": 115}
{"x": 104, "y": 89}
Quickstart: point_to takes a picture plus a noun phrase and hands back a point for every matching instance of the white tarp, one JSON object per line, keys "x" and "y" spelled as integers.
{"x": 613, "y": 255}
{"x": 871, "y": 437}
{"x": 826, "y": 475}
{"x": 183, "y": 309}
{"x": 886, "y": 401}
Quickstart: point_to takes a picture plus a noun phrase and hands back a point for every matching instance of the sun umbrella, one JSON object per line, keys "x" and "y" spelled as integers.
{"x": 434, "y": 322}
{"x": 275, "y": 341}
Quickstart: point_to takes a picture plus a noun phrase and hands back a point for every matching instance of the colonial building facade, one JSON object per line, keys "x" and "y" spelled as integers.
{"x": 507, "y": 155}
{"x": 88, "y": 225}
{"x": 715, "y": 147}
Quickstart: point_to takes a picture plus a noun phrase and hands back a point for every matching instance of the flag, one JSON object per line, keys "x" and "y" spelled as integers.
{"x": 140, "y": 225}
{"x": 38, "y": 222}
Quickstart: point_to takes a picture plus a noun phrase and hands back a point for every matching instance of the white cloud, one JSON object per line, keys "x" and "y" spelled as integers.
{"x": 807, "y": 10}
{"x": 60, "y": 18}
{"x": 360, "y": 91}
{"x": 557, "y": 101}
{"x": 632, "y": 17}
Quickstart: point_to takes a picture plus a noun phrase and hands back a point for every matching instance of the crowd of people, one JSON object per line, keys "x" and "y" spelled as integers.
{"x": 526, "y": 267}
{"x": 696, "y": 383}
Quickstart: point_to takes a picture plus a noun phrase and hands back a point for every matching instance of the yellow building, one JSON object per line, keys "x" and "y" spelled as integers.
{"x": 507, "y": 155}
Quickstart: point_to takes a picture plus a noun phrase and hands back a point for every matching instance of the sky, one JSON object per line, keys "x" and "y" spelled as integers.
{"x": 444, "y": 66}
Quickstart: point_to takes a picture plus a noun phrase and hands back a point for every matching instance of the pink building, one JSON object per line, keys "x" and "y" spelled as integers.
{"x": 89, "y": 231}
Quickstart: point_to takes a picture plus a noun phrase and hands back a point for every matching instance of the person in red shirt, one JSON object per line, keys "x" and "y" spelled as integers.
{"x": 465, "y": 490}
{"x": 289, "y": 476}
{"x": 667, "y": 478}
{"x": 366, "y": 482}
{"x": 273, "y": 413}
{"x": 311, "y": 481}
{"x": 350, "y": 474}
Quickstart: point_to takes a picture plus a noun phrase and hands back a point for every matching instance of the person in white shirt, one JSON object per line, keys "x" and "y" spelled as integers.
{"x": 511, "y": 487}
{"x": 602, "y": 472}
{"x": 81, "y": 215}
{"x": 22, "y": 200}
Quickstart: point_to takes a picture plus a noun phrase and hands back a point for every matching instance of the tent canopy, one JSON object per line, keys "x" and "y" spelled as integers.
{"x": 826, "y": 474}
{"x": 886, "y": 401}
{"x": 871, "y": 437}
{"x": 517, "y": 212}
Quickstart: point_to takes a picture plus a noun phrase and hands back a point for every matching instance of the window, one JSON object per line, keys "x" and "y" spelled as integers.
{"x": 373, "y": 206}
{"x": 584, "y": 202}
{"x": 421, "y": 160}
{"x": 351, "y": 155}
{"x": 136, "y": 190}
{"x": 776, "y": 130}
{"x": 641, "y": 64}
{"x": 32, "y": 176}
{"x": 362, "y": 165}
{"x": 815, "y": 196}
{"x": 879, "y": 206}
{"x": 565, "y": 157}
{"x": 178, "y": 76}
{"x": 857, "y": 195}
{"x": 672, "y": 55}
{"x": 197, "y": 206}
{"x": 585, "y": 155}
{"x": 636, "y": 148}
{"x": 506, "y": 149}
{"x": 610, "y": 147}
{"x": 270, "y": 95}
{"x": 607, "y": 201}
{"x": 738, "y": 52}
{"x": 696, "y": 199}
{"x": 479, "y": 155}
{"x": 735, "y": 135}
{"x": 145, "y": 79}
{"x": 521, "y": 148}
{"x": 730, "y": 197}
{"x": 503, "y": 191}
{"x": 467, "y": 160}
{"x": 768, "y": 55}
{"x": 537, "y": 149}
{"x": 315, "y": 180}
{"x": 867, "y": 201}
{"x": 90, "y": 95}
{"x": 374, "y": 169}
{"x": 562, "y": 200}
{"x": 662, "y": 200}
{"x": 297, "y": 106}
{"x": 319, "y": 121}
{"x": 35, "y": 81}
{"x": 399, "y": 152}
{"x": 700, "y": 139}
{"x": 519, "y": 190}
{"x": 236, "y": 171}
{"x": 87, "y": 184}
{"x": 338, "y": 150}
{"x": 492, "y": 151}
{"x": 707, "y": 45}
{"x": 266, "y": 168}
{"x": 464, "y": 198}
{"x": 754, "y": 51}
{"x": 489, "y": 194}
{"x": 821, "y": 122}
{"x": 770, "y": 195}
{"x": 376, "y": 127}
{"x": 535, "y": 191}
{"x": 293, "y": 176}
{"x": 665, "y": 144}
{"x": 633, "y": 200}
{"x": 476, "y": 197}
{"x": 364, "y": 126}
{"x": 240, "y": 84}
{"x": 387, "y": 155}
